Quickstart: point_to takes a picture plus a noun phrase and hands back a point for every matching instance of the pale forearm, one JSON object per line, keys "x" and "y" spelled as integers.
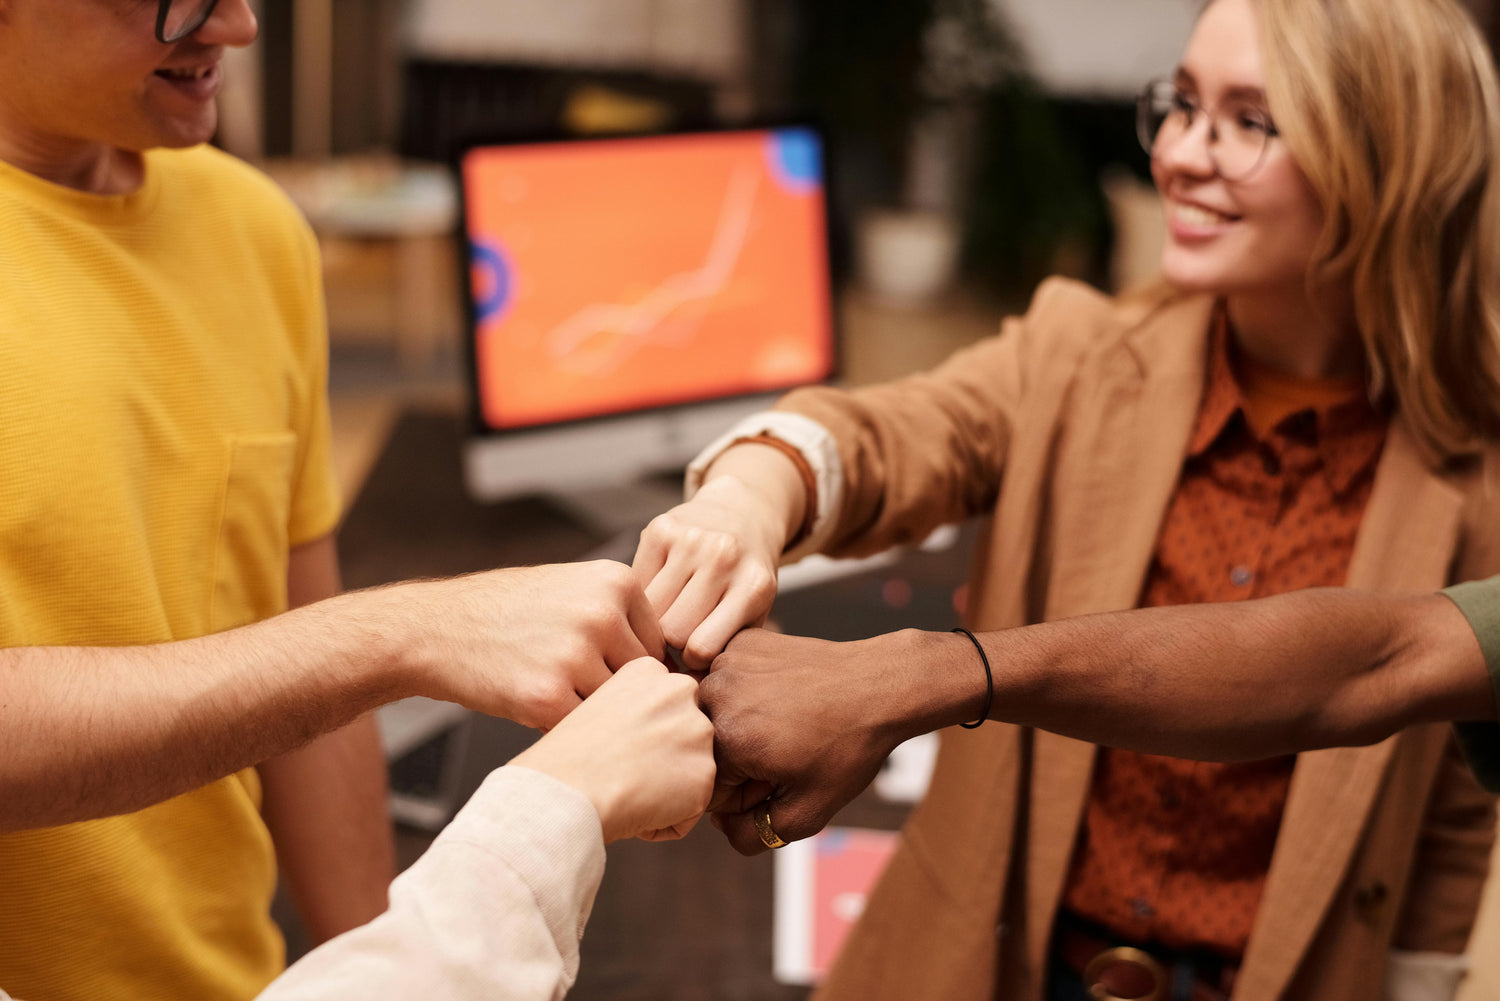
{"x": 774, "y": 480}
{"x": 89, "y": 732}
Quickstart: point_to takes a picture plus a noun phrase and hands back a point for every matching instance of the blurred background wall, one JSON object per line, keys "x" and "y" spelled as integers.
{"x": 1002, "y": 112}
{"x": 1009, "y": 118}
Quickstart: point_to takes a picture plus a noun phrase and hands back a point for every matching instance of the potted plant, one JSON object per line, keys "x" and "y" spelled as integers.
{"x": 909, "y": 252}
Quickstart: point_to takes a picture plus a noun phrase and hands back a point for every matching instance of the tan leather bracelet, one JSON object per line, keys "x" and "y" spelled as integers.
{"x": 804, "y": 470}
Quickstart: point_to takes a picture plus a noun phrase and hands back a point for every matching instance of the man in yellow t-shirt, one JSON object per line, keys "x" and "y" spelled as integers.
{"x": 164, "y": 450}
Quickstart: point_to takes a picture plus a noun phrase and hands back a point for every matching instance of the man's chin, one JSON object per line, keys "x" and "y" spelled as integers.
{"x": 186, "y": 141}
{"x": 173, "y": 140}
{"x": 181, "y": 134}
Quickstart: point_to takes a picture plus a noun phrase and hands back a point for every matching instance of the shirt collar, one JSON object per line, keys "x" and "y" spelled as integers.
{"x": 1221, "y": 397}
{"x": 1347, "y": 435}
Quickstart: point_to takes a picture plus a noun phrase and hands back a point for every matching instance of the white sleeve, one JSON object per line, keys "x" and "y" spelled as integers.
{"x": 815, "y": 444}
{"x": 494, "y": 909}
{"x": 1423, "y": 976}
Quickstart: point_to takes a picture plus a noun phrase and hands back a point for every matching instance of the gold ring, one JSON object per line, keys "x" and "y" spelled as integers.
{"x": 768, "y": 835}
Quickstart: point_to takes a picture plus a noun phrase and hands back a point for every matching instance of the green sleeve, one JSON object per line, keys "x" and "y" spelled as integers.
{"x": 1479, "y": 600}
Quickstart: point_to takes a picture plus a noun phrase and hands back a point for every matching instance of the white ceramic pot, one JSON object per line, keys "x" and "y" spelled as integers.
{"x": 907, "y": 256}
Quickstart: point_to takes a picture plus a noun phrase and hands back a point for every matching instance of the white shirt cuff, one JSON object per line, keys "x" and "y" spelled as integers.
{"x": 815, "y": 444}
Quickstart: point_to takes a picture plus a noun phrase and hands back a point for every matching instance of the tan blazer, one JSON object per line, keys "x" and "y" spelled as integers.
{"x": 1085, "y": 405}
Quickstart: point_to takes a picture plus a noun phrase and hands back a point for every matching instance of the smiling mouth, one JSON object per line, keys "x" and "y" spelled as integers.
{"x": 1195, "y": 215}
{"x": 186, "y": 74}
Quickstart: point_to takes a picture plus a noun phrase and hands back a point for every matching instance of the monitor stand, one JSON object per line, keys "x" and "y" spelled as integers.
{"x": 622, "y": 508}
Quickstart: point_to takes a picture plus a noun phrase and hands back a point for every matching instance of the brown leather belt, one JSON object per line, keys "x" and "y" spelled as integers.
{"x": 1112, "y": 972}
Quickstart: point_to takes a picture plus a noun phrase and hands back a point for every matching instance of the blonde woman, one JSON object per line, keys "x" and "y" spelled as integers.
{"x": 1311, "y": 398}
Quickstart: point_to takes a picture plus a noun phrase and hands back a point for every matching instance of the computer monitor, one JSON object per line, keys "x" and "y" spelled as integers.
{"x": 630, "y": 298}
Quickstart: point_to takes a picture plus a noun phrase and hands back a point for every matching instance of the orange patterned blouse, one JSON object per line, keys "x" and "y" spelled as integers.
{"x": 1277, "y": 475}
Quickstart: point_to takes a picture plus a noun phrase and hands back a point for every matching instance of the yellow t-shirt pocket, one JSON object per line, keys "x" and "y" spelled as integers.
{"x": 250, "y": 556}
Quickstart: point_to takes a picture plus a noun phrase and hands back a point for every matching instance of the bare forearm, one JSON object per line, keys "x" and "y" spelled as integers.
{"x": 811, "y": 721}
{"x": 1235, "y": 681}
{"x": 774, "y": 478}
{"x": 325, "y": 805}
{"x": 89, "y": 732}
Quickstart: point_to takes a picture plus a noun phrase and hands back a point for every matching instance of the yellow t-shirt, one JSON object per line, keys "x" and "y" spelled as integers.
{"x": 163, "y": 442}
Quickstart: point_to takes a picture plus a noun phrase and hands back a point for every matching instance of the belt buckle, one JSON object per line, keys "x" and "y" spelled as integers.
{"x": 1124, "y": 955}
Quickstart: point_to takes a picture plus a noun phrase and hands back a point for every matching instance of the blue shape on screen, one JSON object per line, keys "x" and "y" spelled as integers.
{"x": 492, "y": 280}
{"x": 796, "y": 159}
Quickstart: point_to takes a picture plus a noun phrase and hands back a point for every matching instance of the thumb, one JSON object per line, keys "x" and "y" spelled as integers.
{"x": 734, "y": 795}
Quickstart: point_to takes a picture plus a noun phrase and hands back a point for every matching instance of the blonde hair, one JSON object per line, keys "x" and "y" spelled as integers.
{"x": 1392, "y": 110}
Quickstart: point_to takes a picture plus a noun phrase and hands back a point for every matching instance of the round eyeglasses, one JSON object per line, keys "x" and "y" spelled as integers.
{"x": 1239, "y": 131}
{"x": 177, "y": 19}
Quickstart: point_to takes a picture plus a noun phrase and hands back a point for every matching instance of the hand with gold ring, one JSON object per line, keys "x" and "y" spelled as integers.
{"x": 799, "y": 731}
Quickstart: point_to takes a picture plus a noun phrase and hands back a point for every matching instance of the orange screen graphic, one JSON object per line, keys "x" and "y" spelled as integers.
{"x": 617, "y": 275}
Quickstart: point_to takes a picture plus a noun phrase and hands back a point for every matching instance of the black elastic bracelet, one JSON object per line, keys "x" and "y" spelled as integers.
{"x": 989, "y": 681}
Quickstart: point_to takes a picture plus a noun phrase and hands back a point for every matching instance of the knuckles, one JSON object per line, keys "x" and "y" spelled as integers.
{"x": 614, "y": 584}
{"x": 682, "y": 690}
{"x": 600, "y": 619}
{"x": 723, "y": 552}
{"x": 761, "y": 584}
{"x": 699, "y": 651}
{"x": 574, "y": 651}
{"x": 671, "y": 530}
{"x": 668, "y": 530}
{"x": 616, "y": 578}
{"x": 711, "y": 694}
{"x": 735, "y": 742}
{"x": 661, "y": 529}
{"x": 548, "y": 698}
{"x": 703, "y": 732}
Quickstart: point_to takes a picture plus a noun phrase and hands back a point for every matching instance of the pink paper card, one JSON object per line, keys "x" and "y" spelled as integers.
{"x": 821, "y": 886}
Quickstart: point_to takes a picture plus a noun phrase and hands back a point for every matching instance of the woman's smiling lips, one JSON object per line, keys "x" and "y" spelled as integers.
{"x": 1190, "y": 221}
